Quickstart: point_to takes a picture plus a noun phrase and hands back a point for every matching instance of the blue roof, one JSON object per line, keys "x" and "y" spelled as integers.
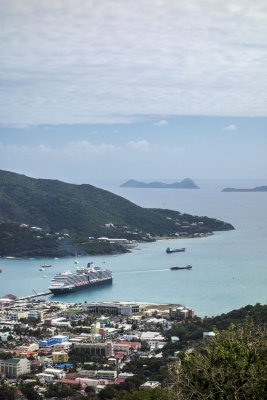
{"x": 63, "y": 365}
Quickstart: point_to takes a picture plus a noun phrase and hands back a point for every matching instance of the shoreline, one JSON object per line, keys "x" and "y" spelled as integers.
{"x": 156, "y": 239}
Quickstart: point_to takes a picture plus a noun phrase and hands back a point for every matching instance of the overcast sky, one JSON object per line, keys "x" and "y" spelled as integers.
{"x": 134, "y": 88}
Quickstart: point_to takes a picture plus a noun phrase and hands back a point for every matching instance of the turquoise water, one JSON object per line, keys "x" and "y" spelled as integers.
{"x": 229, "y": 268}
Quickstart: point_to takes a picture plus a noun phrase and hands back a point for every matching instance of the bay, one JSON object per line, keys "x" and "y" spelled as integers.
{"x": 229, "y": 268}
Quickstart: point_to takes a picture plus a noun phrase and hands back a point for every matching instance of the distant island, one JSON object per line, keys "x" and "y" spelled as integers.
{"x": 184, "y": 184}
{"x": 255, "y": 189}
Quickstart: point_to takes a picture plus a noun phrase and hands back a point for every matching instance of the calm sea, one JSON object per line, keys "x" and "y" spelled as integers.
{"x": 229, "y": 268}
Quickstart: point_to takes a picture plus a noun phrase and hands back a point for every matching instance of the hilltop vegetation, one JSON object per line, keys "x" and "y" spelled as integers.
{"x": 17, "y": 241}
{"x": 83, "y": 211}
{"x": 230, "y": 365}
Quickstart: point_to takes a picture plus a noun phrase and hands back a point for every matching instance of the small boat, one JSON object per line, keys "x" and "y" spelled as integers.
{"x": 0, "y": 270}
{"x": 46, "y": 266}
{"x": 169, "y": 250}
{"x": 44, "y": 276}
{"x": 182, "y": 267}
{"x": 41, "y": 269}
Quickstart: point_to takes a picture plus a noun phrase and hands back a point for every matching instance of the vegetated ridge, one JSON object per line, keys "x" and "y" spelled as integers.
{"x": 184, "y": 184}
{"x": 255, "y": 189}
{"x": 233, "y": 360}
{"x": 81, "y": 211}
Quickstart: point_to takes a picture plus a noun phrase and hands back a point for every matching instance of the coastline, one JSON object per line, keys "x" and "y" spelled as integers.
{"x": 128, "y": 250}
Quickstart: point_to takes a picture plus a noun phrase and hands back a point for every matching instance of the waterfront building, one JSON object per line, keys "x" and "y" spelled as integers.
{"x": 181, "y": 312}
{"x": 116, "y": 308}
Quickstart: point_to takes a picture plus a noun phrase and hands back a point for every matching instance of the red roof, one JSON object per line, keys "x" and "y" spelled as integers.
{"x": 119, "y": 354}
{"x": 9, "y": 296}
{"x": 69, "y": 381}
{"x": 36, "y": 362}
{"x": 131, "y": 344}
{"x": 120, "y": 380}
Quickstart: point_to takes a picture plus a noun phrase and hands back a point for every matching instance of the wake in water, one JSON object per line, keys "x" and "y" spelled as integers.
{"x": 143, "y": 271}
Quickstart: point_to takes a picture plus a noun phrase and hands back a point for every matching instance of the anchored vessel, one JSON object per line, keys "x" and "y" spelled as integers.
{"x": 169, "y": 250}
{"x": 83, "y": 278}
{"x": 182, "y": 267}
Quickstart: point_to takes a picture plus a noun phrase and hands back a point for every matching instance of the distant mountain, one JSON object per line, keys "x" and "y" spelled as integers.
{"x": 256, "y": 189}
{"x": 184, "y": 184}
{"x": 80, "y": 212}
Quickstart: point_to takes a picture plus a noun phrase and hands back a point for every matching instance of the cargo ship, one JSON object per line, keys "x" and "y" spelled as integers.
{"x": 182, "y": 267}
{"x": 84, "y": 278}
{"x": 169, "y": 250}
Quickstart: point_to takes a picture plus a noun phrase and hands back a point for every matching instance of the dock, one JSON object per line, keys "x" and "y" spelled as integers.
{"x": 31, "y": 296}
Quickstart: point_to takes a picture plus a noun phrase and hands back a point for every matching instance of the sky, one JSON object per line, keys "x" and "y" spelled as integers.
{"x": 160, "y": 89}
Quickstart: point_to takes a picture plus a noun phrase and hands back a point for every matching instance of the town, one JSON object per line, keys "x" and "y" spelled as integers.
{"x": 53, "y": 346}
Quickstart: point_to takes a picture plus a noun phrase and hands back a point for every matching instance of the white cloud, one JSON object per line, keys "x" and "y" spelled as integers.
{"x": 111, "y": 61}
{"x": 86, "y": 148}
{"x": 74, "y": 161}
{"x": 160, "y": 123}
{"x": 231, "y": 127}
{"x": 140, "y": 145}
{"x": 74, "y": 150}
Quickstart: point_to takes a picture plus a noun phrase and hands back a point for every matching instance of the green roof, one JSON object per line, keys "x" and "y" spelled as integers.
{"x": 13, "y": 360}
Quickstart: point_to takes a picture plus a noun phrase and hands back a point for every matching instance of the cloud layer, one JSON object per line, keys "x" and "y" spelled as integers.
{"x": 111, "y": 61}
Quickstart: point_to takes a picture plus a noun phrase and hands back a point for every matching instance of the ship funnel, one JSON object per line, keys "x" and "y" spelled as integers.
{"x": 90, "y": 266}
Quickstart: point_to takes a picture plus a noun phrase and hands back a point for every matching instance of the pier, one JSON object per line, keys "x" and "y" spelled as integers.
{"x": 31, "y": 296}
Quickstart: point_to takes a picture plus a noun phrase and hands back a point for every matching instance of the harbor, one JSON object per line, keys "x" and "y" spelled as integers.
{"x": 32, "y": 296}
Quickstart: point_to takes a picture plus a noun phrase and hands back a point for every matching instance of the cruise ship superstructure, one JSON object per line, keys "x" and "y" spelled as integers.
{"x": 84, "y": 278}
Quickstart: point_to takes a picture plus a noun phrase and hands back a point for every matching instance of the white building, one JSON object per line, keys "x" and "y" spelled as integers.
{"x": 116, "y": 308}
{"x": 57, "y": 373}
{"x": 14, "y": 367}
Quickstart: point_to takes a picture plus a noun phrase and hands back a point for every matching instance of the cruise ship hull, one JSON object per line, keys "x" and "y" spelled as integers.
{"x": 89, "y": 285}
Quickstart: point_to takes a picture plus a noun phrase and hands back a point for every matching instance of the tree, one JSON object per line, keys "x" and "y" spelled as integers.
{"x": 229, "y": 366}
{"x": 7, "y": 392}
{"x": 90, "y": 391}
{"x": 144, "y": 394}
{"x": 29, "y": 391}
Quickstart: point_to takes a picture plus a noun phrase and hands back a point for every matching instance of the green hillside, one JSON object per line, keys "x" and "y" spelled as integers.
{"x": 83, "y": 210}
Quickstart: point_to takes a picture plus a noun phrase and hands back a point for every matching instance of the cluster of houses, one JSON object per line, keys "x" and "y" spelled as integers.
{"x": 38, "y": 340}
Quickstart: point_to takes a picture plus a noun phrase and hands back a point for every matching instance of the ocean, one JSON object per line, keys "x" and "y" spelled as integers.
{"x": 229, "y": 268}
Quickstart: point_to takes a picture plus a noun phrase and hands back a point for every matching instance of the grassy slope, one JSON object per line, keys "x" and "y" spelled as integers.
{"x": 79, "y": 209}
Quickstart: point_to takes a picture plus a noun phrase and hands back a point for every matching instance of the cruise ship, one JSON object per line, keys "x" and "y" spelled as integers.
{"x": 84, "y": 278}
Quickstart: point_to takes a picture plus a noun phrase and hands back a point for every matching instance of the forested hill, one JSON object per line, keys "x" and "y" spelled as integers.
{"x": 84, "y": 209}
